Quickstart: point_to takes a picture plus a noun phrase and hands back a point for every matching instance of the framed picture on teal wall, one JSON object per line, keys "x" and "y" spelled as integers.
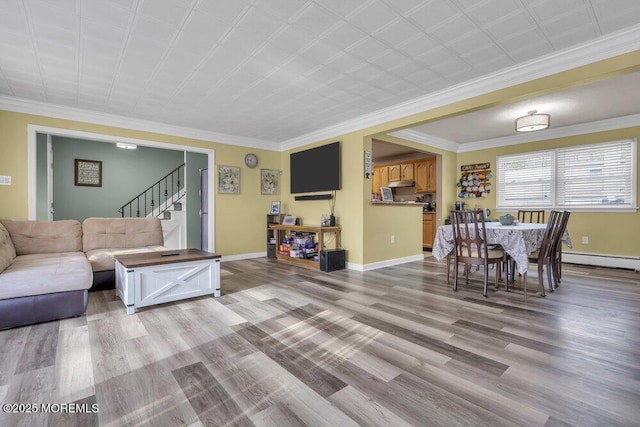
{"x": 88, "y": 173}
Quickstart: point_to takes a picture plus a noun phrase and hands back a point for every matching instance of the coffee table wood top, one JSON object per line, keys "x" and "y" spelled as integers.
{"x": 146, "y": 259}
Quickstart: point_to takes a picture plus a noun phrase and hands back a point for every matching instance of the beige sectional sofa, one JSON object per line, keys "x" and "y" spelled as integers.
{"x": 103, "y": 238}
{"x": 47, "y": 267}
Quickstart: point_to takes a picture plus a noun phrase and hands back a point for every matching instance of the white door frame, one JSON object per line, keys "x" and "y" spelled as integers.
{"x": 50, "y": 207}
{"x": 32, "y": 130}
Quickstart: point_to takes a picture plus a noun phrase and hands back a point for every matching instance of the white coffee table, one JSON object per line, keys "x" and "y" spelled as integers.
{"x": 152, "y": 278}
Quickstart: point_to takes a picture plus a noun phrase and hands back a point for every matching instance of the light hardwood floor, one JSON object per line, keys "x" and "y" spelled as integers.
{"x": 390, "y": 347}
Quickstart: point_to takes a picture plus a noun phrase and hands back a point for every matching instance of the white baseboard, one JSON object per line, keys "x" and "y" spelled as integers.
{"x": 243, "y": 256}
{"x": 385, "y": 263}
{"x": 602, "y": 260}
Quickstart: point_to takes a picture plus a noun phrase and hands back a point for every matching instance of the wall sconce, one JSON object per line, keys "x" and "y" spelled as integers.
{"x": 532, "y": 122}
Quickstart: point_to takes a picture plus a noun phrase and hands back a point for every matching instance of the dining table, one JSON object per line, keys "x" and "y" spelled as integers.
{"x": 518, "y": 240}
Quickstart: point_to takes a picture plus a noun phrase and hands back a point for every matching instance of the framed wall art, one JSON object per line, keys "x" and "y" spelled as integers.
{"x": 88, "y": 173}
{"x": 275, "y": 207}
{"x": 269, "y": 181}
{"x": 387, "y": 194}
{"x": 228, "y": 180}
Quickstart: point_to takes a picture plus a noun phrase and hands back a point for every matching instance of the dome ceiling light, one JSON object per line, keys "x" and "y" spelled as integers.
{"x": 532, "y": 122}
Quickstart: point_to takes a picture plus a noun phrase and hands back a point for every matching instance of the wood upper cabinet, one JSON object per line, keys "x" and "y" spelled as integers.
{"x": 422, "y": 176}
{"x": 431, "y": 186}
{"x": 401, "y": 172}
{"x": 380, "y": 178}
{"x": 395, "y": 173}
{"x": 406, "y": 171}
{"x": 425, "y": 175}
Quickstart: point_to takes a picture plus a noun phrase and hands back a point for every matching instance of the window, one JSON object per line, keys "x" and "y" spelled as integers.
{"x": 590, "y": 177}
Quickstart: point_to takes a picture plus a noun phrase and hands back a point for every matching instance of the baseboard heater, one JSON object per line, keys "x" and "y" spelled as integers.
{"x": 315, "y": 197}
{"x": 602, "y": 260}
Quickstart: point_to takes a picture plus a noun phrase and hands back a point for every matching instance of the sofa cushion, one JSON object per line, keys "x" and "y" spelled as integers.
{"x": 40, "y": 274}
{"x": 102, "y": 259}
{"x": 41, "y": 237}
{"x": 7, "y": 250}
{"x": 105, "y": 233}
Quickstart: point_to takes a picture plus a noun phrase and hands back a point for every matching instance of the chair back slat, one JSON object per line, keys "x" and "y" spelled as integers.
{"x": 549, "y": 239}
{"x": 469, "y": 233}
{"x": 531, "y": 216}
{"x": 562, "y": 227}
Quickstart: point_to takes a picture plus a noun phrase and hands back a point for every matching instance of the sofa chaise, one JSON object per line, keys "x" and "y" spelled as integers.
{"x": 44, "y": 274}
{"x": 48, "y": 267}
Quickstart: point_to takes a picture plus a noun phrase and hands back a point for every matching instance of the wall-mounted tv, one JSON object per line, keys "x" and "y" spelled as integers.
{"x": 316, "y": 169}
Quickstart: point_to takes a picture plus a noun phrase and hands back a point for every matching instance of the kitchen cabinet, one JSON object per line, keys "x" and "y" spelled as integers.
{"x": 401, "y": 172}
{"x": 425, "y": 175}
{"x": 428, "y": 229}
{"x": 394, "y": 173}
{"x": 380, "y": 178}
{"x": 406, "y": 172}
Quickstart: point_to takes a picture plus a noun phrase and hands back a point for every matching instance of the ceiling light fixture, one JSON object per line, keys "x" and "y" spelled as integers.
{"x": 532, "y": 122}
{"x": 126, "y": 146}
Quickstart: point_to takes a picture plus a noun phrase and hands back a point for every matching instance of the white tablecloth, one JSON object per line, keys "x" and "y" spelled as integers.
{"x": 517, "y": 240}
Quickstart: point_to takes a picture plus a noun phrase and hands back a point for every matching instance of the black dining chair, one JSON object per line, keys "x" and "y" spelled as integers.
{"x": 531, "y": 216}
{"x": 556, "y": 260}
{"x": 545, "y": 253}
{"x": 470, "y": 246}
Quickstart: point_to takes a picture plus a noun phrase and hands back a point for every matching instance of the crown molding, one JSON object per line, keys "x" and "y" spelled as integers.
{"x": 426, "y": 139}
{"x": 26, "y": 106}
{"x": 552, "y": 133}
{"x": 608, "y": 46}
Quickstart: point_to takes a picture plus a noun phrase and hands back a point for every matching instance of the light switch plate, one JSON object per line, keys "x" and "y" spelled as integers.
{"x": 5, "y": 180}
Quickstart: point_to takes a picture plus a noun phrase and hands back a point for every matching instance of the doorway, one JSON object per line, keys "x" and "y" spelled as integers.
{"x": 36, "y": 200}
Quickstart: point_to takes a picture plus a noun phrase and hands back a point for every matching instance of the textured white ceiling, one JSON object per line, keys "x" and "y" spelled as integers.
{"x": 273, "y": 70}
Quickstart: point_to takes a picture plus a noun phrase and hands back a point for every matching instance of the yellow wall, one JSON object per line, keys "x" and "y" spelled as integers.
{"x": 240, "y": 219}
{"x": 608, "y": 232}
{"x": 348, "y": 202}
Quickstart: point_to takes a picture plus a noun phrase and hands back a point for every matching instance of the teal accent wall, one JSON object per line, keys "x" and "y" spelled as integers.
{"x": 125, "y": 174}
{"x": 42, "y": 178}
{"x": 194, "y": 162}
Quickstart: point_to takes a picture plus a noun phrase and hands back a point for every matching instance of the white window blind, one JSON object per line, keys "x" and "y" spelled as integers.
{"x": 525, "y": 180}
{"x": 598, "y": 175}
{"x": 591, "y": 177}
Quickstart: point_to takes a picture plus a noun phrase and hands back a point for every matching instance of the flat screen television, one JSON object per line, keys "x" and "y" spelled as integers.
{"x": 316, "y": 169}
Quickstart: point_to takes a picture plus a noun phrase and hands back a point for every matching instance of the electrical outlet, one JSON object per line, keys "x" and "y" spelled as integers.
{"x": 585, "y": 240}
{"x": 5, "y": 180}
{"x": 393, "y": 238}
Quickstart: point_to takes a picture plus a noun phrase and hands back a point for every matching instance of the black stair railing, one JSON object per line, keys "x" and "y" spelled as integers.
{"x": 164, "y": 191}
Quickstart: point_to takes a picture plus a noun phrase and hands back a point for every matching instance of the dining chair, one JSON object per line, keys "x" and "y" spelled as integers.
{"x": 531, "y": 216}
{"x": 470, "y": 248}
{"x": 556, "y": 260}
{"x": 545, "y": 253}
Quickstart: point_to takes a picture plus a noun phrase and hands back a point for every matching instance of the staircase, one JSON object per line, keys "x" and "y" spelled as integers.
{"x": 159, "y": 197}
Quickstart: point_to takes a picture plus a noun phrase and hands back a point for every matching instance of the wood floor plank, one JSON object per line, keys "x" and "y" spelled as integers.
{"x": 308, "y": 372}
{"x": 40, "y": 347}
{"x": 73, "y": 367}
{"x": 208, "y": 398}
{"x": 285, "y": 345}
{"x": 364, "y": 410}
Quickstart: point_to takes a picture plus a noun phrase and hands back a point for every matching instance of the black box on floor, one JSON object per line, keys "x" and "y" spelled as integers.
{"x": 332, "y": 259}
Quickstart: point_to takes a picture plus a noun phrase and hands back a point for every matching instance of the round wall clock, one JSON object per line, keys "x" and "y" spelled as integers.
{"x": 251, "y": 160}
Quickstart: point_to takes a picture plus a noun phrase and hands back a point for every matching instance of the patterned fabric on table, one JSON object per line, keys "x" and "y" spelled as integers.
{"x": 517, "y": 240}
